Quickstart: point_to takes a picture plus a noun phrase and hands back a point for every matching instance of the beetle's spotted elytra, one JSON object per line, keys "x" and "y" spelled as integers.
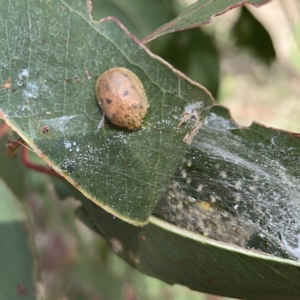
{"x": 122, "y": 98}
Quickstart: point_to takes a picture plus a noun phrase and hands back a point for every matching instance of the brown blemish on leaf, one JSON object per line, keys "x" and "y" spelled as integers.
{"x": 7, "y": 84}
{"x": 45, "y": 129}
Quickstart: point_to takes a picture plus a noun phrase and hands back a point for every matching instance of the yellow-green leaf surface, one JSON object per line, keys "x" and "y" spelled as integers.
{"x": 199, "y": 13}
{"x": 53, "y": 53}
{"x": 17, "y": 267}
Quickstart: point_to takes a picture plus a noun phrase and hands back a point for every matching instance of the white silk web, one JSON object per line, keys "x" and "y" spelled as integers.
{"x": 237, "y": 186}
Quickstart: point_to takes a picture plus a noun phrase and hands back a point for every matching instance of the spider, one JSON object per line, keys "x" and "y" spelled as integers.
{"x": 191, "y": 113}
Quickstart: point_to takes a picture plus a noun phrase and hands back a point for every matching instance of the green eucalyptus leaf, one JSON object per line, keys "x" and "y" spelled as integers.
{"x": 53, "y": 54}
{"x": 178, "y": 256}
{"x": 230, "y": 203}
{"x": 18, "y": 267}
{"x": 199, "y": 13}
